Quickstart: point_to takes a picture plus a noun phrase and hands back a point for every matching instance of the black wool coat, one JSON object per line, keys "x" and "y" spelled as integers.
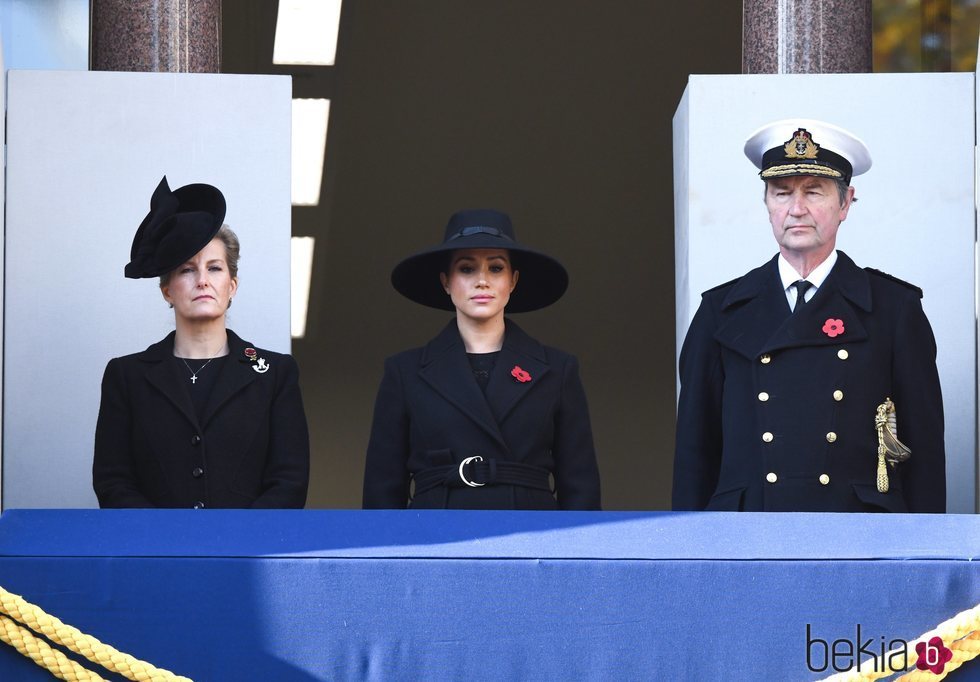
{"x": 777, "y": 415}
{"x": 250, "y": 450}
{"x": 431, "y": 414}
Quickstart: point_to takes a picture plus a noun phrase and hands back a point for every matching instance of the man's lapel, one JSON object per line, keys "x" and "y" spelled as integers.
{"x": 755, "y": 306}
{"x": 830, "y": 317}
{"x": 758, "y": 318}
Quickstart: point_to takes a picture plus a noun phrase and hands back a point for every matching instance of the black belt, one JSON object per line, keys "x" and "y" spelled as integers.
{"x": 476, "y": 472}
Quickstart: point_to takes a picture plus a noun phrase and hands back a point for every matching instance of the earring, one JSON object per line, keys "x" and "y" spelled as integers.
{"x": 229, "y": 304}
{"x": 171, "y": 305}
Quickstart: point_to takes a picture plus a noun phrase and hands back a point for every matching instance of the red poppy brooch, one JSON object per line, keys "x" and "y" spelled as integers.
{"x": 258, "y": 364}
{"x": 833, "y": 327}
{"x": 520, "y": 374}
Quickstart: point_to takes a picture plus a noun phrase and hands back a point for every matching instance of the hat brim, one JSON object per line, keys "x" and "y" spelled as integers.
{"x": 820, "y": 170}
{"x": 543, "y": 280}
{"x": 194, "y": 232}
{"x": 178, "y": 226}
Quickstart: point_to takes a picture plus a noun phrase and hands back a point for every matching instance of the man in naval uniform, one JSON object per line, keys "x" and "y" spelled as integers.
{"x": 810, "y": 384}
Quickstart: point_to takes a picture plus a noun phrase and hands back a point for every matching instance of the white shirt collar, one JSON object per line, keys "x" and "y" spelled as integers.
{"x": 789, "y": 275}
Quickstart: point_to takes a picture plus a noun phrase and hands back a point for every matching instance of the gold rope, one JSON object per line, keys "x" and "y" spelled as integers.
{"x": 39, "y": 651}
{"x": 963, "y": 651}
{"x": 75, "y": 640}
{"x": 960, "y": 634}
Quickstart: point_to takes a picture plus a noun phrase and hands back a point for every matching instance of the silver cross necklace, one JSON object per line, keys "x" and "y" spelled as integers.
{"x": 199, "y": 369}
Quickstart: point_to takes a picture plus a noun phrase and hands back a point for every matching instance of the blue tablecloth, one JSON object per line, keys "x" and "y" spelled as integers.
{"x": 453, "y": 595}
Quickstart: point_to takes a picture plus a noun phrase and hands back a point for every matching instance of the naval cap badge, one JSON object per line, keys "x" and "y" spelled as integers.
{"x": 801, "y": 146}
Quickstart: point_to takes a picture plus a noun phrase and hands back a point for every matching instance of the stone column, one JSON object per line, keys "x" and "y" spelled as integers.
{"x": 156, "y": 35}
{"x": 806, "y": 36}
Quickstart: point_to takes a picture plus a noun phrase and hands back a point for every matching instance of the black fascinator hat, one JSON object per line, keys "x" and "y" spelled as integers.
{"x": 543, "y": 279}
{"x": 180, "y": 223}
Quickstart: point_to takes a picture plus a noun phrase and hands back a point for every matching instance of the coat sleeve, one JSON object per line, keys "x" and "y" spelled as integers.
{"x": 113, "y": 467}
{"x": 576, "y": 470}
{"x": 287, "y": 469}
{"x": 698, "y": 447}
{"x": 386, "y": 477}
{"x": 919, "y": 411}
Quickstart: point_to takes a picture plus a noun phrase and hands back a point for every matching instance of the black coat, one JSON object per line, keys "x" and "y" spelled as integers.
{"x": 251, "y": 450}
{"x": 431, "y": 414}
{"x": 776, "y": 415}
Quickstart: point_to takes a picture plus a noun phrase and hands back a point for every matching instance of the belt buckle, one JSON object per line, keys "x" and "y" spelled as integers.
{"x": 462, "y": 477}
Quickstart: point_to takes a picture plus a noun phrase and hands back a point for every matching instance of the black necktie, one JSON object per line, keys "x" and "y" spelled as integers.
{"x": 801, "y": 288}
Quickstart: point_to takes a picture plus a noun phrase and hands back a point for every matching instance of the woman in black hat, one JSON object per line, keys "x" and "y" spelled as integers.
{"x": 201, "y": 418}
{"x": 483, "y": 416}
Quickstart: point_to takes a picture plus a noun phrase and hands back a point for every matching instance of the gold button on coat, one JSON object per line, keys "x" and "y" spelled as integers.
{"x": 771, "y": 477}
{"x": 763, "y": 396}
{"x": 842, "y": 354}
{"x": 765, "y": 359}
{"x": 838, "y": 395}
{"x": 824, "y": 479}
{"x": 831, "y": 437}
{"x": 767, "y": 437}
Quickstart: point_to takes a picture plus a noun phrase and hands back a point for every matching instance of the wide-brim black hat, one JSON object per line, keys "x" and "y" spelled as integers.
{"x": 542, "y": 281}
{"x": 180, "y": 223}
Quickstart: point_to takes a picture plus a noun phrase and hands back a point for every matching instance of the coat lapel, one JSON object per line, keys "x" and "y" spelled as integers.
{"x": 446, "y": 369}
{"x": 504, "y": 391}
{"x": 235, "y": 375}
{"x": 844, "y": 291}
{"x": 755, "y": 306}
{"x": 764, "y": 324}
{"x": 160, "y": 374}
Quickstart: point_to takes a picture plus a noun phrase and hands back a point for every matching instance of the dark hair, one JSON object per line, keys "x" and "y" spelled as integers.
{"x": 232, "y": 253}
{"x": 448, "y": 264}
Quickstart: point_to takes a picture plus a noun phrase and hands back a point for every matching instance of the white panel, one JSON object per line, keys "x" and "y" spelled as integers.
{"x": 682, "y": 221}
{"x": 976, "y": 207}
{"x": 45, "y": 34}
{"x": 915, "y": 218}
{"x": 3, "y": 169}
{"x": 85, "y": 151}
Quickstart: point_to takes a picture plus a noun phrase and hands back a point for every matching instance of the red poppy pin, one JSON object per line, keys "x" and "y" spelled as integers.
{"x": 258, "y": 364}
{"x": 520, "y": 374}
{"x": 833, "y": 327}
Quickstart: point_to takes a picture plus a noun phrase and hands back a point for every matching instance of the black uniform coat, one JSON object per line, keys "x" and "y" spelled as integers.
{"x": 430, "y": 412}
{"x": 777, "y": 415}
{"x": 251, "y": 450}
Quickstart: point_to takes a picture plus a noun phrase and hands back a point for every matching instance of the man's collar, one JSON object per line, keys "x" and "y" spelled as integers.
{"x": 788, "y": 274}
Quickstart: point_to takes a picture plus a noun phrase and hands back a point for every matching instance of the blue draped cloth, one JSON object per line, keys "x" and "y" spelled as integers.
{"x": 454, "y": 595}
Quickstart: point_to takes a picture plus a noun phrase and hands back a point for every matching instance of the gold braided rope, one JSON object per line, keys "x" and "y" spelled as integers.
{"x": 960, "y": 634}
{"x": 39, "y": 651}
{"x": 963, "y": 650}
{"x": 75, "y": 640}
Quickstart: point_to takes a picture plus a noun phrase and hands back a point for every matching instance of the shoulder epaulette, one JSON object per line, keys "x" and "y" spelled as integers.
{"x": 721, "y": 286}
{"x": 895, "y": 279}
